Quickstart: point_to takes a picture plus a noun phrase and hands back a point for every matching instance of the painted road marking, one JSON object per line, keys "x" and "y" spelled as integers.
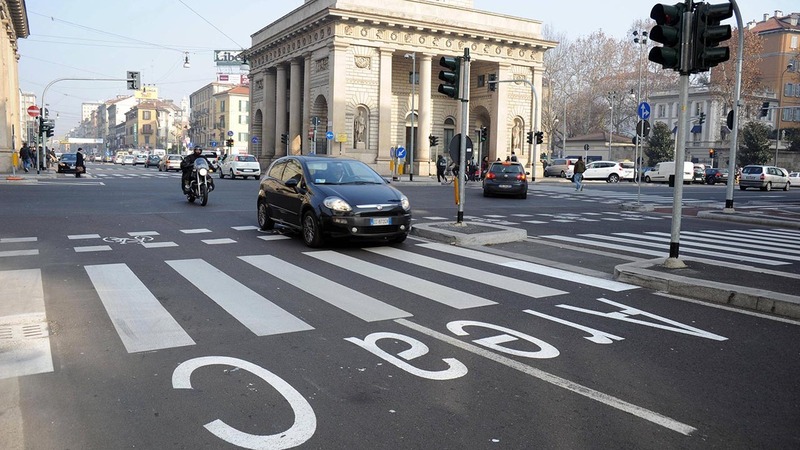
{"x": 245, "y": 228}
{"x": 158, "y": 244}
{"x": 196, "y": 231}
{"x": 12, "y": 253}
{"x": 142, "y": 322}
{"x": 92, "y": 248}
{"x": 143, "y": 233}
{"x": 83, "y": 236}
{"x": 26, "y": 349}
{"x": 258, "y": 314}
{"x": 15, "y": 240}
{"x": 273, "y": 237}
{"x": 218, "y": 241}
{"x": 349, "y": 300}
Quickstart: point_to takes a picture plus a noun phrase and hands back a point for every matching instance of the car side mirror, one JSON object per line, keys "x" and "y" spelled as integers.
{"x": 527, "y": 173}
{"x": 292, "y": 182}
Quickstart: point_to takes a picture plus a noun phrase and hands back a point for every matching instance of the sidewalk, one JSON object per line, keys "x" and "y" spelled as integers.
{"x": 30, "y": 177}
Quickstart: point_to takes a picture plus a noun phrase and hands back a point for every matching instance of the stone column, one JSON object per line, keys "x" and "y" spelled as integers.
{"x": 280, "y": 109}
{"x": 306, "y": 115}
{"x": 386, "y": 121}
{"x": 340, "y": 59}
{"x": 268, "y": 130}
{"x": 422, "y": 159}
{"x": 295, "y": 106}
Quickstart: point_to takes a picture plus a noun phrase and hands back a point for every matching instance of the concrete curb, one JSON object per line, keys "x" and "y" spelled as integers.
{"x": 777, "y": 303}
{"x": 742, "y": 218}
{"x": 445, "y": 232}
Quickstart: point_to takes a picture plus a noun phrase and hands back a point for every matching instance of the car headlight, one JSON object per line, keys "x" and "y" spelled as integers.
{"x": 202, "y": 172}
{"x": 405, "y": 203}
{"x": 337, "y": 204}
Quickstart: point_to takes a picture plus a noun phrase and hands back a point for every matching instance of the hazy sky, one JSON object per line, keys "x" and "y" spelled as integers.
{"x": 104, "y": 39}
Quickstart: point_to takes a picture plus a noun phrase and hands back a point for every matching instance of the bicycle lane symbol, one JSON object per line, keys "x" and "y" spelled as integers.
{"x": 128, "y": 240}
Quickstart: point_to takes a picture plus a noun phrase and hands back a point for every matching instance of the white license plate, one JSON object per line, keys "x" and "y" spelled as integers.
{"x": 505, "y": 186}
{"x": 381, "y": 221}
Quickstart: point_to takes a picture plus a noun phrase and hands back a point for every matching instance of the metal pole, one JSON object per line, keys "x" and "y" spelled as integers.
{"x": 737, "y": 94}
{"x": 464, "y": 91}
{"x": 564, "y": 141}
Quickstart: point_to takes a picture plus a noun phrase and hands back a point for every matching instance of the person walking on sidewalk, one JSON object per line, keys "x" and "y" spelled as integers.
{"x": 80, "y": 166}
{"x": 441, "y": 167}
{"x": 577, "y": 175}
{"x": 25, "y": 156}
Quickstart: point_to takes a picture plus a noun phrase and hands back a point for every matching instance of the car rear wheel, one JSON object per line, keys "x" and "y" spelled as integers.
{"x": 233, "y": 177}
{"x": 768, "y": 187}
{"x": 312, "y": 235}
{"x": 613, "y": 178}
{"x": 786, "y": 186}
{"x": 563, "y": 174}
{"x": 221, "y": 174}
{"x": 265, "y": 222}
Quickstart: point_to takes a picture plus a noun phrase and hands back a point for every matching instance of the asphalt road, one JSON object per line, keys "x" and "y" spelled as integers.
{"x": 131, "y": 318}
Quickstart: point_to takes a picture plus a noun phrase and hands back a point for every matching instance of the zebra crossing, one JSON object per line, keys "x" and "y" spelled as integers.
{"x": 143, "y": 322}
{"x": 560, "y": 218}
{"x": 590, "y": 195}
{"x": 766, "y": 247}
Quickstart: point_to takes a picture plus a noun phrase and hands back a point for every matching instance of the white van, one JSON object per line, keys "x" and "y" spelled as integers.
{"x": 662, "y": 171}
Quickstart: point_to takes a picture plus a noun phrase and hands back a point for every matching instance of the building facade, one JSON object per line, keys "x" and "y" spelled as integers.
{"x": 363, "y": 73}
{"x": 14, "y": 23}
{"x": 232, "y": 119}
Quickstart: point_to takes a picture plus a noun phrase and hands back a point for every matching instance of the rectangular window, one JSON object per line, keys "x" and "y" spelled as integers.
{"x": 243, "y": 137}
{"x": 788, "y": 90}
{"x": 793, "y": 43}
{"x": 481, "y": 80}
{"x": 413, "y": 78}
{"x": 661, "y": 111}
{"x": 146, "y": 115}
{"x": 222, "y": 106}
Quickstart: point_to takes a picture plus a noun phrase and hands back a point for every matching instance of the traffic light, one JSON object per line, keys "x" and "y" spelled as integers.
{"x": 702, "y": 119}
{"x": 539, "y": 137}
{"x": 484, "y": 132}
{"x": 134, "y": 80}
{"x": 708, "y": 34}
{"x": 530, "y": 137}
{"x": 451, "y": 76}
{"x": 764, "y": 109}
{"x": 711, "y": 153}
{"x": 229, "y": 142}
{"x": 669, "y": 20}
{"x": 729, "y": 120}
{"x": 434, "y": 141}
{"x": 284, "y": 139}
{"x": 492, "y": 86}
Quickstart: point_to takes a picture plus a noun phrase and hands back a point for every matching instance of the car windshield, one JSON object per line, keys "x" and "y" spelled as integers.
{"x": 342, "y": 172}
{"x": 752, "y": 169}
{"x": 69, "y": 157}
{"x": 248, "y": 158}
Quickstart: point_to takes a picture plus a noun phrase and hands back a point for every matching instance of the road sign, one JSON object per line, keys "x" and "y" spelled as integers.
{"x": 400, "y": 152}
{"x": 643, "y": 110}
{"x": 586, "y": 147}
{"x": 213, "y": 143}
{"x": 230, "y": 133}
{"x": 254, "y": 140}
{"x": 643, "y": 128}
{"x": 329, "y": 135}
{"x": 34, "y": 111}
{"x": 454, "y": 148}
{"x": 315, "y": 121}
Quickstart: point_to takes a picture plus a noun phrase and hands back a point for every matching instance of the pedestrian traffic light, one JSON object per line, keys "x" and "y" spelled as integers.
{"x": 530, "y": 137}
{"x": 764, "y": 109}
{"x": 539, "y": 137}
{"x": 284, "y": 139}
{"x": 492, "y": 86}
{"x": 669, "y": 20}
{"x": 134, "y": 80}
{"x": 451, "y": 75}
{"x": 711, "y": 153}
{"x": 702, "y": 119}
{"x": 484, "y": 132}
{"x": 707, "y": 34}
{"x": 229, "y": 142}
{"x": 434, "y": 141}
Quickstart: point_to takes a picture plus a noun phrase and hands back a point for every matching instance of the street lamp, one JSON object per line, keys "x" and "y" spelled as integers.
{"x": 780, "y": 111}
{"x": 413, "y": 57}
{"x": 639, "y": 38}
{"x": 611, "y": 97}
{"x": 186, "y": 63}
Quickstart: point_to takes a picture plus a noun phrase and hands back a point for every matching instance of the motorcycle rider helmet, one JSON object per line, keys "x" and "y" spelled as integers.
{"x": 198, "y": 150}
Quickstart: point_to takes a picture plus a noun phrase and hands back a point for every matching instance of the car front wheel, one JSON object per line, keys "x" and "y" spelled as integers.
{"x": 613, "y": 178}
{"x": 312, "y": 235}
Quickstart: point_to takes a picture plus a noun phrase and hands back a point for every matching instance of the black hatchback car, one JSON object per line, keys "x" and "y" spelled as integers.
{"x": 324, "y": 196}
{"x": 506, "y": 178}
{"x": 66, "y": 164}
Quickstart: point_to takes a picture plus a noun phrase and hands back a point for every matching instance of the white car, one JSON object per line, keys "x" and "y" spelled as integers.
{"x": 794, "y": 179}
{"x": 128, "y": 159}
{"x": 240, "y": 166}
{"x": 610, "y": 171}
{"x": 141, "y": 158}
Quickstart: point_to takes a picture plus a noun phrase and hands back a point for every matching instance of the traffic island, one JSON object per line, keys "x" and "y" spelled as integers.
{"x": 468, "y": 233}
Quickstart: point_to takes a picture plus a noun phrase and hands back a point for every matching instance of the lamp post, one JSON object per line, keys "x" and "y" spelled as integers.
{"x": 779, "y": 112}
{"x": 639, "y": 38}
{"x": 413, "y": 57}
{"x": 611, "y": 97}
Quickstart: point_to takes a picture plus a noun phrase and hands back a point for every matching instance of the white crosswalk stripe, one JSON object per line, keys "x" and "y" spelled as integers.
{"x": 776, "y": 247}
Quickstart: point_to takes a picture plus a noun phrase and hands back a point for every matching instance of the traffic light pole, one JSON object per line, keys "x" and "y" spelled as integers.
{"x": 462, "y": 163}
{"x": 737, "y": 102}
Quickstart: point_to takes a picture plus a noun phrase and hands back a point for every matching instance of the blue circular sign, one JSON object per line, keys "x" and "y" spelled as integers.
{"x": 643, "y": 110}
{"x": 213, "y": 143}
{"x": 254, "y": 140}
{"x": 329, "y": 135}
{"x": 230, "y": 133}
{"x": 401, "y": 152}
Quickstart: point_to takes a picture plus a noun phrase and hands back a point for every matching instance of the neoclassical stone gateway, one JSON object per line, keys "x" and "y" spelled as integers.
{"x": 347, "y": 65}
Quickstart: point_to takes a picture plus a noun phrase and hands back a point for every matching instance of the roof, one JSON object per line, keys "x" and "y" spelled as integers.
{"x": 774, "y": 24}
{"x": 19, "y": 18}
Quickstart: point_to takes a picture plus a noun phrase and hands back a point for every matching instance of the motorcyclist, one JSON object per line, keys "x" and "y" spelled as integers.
{"x": 187, "y": 165}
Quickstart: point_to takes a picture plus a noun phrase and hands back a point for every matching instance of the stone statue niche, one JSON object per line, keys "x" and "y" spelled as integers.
{"x": 361, "y": 128}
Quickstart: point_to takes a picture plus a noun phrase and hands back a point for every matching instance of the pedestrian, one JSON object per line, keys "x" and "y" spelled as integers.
{"x": 513, "y": 156}
{"x": 80, "y": 166}
{"x": 577, "y": 174}
{"x": 25, "y": 156}
{"x": 441, "y": 167}
{"x": 484, "y": 166}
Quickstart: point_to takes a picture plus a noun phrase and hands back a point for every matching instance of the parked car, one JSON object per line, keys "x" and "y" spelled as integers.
{"x": 506, "y": 178}
{"x": 239, "y": 166}
{"x": 716, "y": 175}
{"x": 794, "y": 179}
{"x": 152, "y": 160}
{"x": 764, "y": 177}
{"x": 559, "y": 167}
{"x": 610, "y": 171}
{"x": 663, "y": 170}
{"x": 328, "y": 197}
{"x": 170, "y": 162}
{"x": 66, "y": 163}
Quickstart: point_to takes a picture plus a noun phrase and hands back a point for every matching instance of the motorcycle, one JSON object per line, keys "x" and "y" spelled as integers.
{"x": 201, "y": 183}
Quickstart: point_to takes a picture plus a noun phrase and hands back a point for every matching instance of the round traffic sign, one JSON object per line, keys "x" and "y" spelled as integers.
{"x": 329, "y": 135}
{"x": 254, "y": 140}
{"x": 34, "y": 111}
{"x": 401, "y": 152}
{"x": 230, "y": 133}
{"x": 643, "y": 128}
